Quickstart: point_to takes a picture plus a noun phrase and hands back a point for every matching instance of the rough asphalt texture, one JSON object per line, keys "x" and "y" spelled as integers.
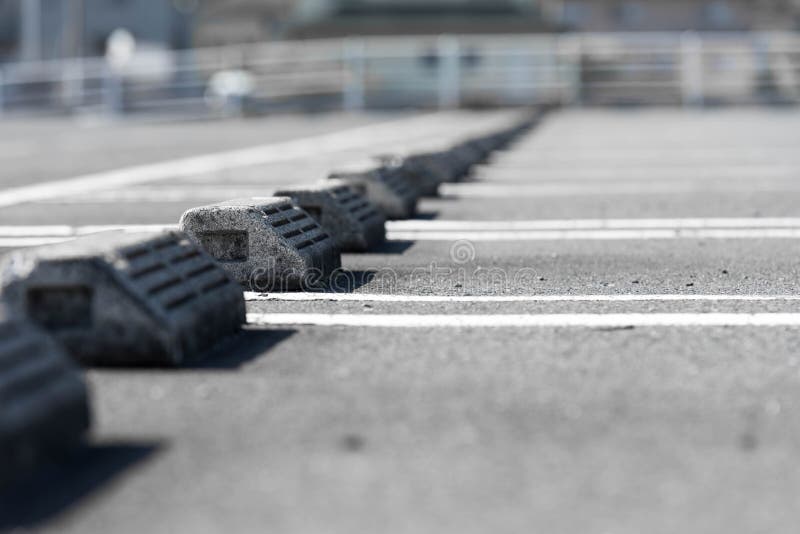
{"x": 359, "y": 429}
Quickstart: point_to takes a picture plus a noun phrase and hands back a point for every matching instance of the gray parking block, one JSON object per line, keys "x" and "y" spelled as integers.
{"x": 426, "y": 171}
{"x": 355, "y": 224}
{"x": 126, "y": 298}
{"x": 44, "y": 407}
{"x": 265, "y": 243}
{"x": 388, "y": 187}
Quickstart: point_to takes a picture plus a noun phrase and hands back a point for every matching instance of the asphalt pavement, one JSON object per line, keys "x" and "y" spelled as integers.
{"x": 597, "y": 331}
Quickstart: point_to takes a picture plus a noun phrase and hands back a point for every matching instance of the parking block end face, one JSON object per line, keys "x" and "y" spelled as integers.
{"x": 284, "y": 249}
{"x": 126, "y": 299}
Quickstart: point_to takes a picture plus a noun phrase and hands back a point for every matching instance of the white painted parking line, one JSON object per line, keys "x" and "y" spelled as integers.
{"x": 694, "y": 172}
{"x": 190, "y": 193}
{"x": 599, "y": 235}
{"x": 161, "y": 195}
{"x": 594, "y": 224}
{"x": 34, "y": 236}
{"x": 21, "y": 242}
{"x": 488, "y": 190}
{"x": 417, "y": 230}
{"x": 71, "y": 231}
{"x": 535, "y": 155}
{"x": 372, "y": 297}
{"x": 204, "y": 193}
{"x": 36, "y": 230}
{"x": 420, "y": 225}
{"x": 611, "y": 320}
{"x": 353, "y": 138}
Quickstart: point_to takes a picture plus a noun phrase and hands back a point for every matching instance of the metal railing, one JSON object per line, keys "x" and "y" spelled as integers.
{"x": 436, "y": 71}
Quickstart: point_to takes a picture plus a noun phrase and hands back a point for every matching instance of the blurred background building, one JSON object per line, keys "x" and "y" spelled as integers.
{"x": 267, "y": 54}
{"x": 32, "y": 29}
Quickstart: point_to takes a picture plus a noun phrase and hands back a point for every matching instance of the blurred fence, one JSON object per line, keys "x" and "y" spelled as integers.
{"x": 434, "y": 71}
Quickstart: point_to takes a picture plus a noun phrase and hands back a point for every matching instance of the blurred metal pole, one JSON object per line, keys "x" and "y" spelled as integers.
{"x": 2, "y": 92}
{"x": 568, "y": 61}
{"x": 354, "y": 73}
{"x": 691, "y": 74}
{"x": 30, "y": 30}
{"x": 72, "y": 45}
{"x": 72, "y": 65}
{"x": 72, "y": 82}
{"x": 449, "y": 53}
{"x": 763, "y": 79}
{"x": 113, "y": 92}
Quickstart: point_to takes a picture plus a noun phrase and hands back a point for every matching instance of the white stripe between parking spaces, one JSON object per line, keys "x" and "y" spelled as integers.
{"x": 422, "y": 225}
{"x": 441, "y": 230}
{"x": 353, "y": 138}
{"x": 594, "y": 224}
{"x": 599, "y": 235}
{"x": 191, "y": 192}
{"x": 600, "y": 174}
{"x": 373, "y": 297}
{"x": 34, "y": 236}
{"x": 598, "y": 229}
{"x": 612, "y": 320}
{"x": 489, "y": 190}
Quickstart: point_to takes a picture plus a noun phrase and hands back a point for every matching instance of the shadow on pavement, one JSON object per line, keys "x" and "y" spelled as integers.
{"x": 247, "y": 346}
{"x": 53, "y": 488}
{"x": 389, "y": 247}
{"x": 426, "y": 215}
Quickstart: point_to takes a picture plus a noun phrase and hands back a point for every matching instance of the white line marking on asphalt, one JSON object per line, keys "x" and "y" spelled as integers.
{"x": 71, "y": 231}
{"x": 692, "y": 171}
{"x": 21, "y": 242}
{"x": 34, "y": 236}
{"x": 486, "y": 190}
{"x": 611, "y": 320}
{"x": 360, "y": 137}
{"x": 599, "y": 235}
{"x": 418, "y": 225}
{"x": 595, "y": 224}
{"x": 200, "y": 193}
{"x": 161, "y": 195}
{"x": 373, "y": 297}
{"x": 571, "y": 230}
{"x": 36, "y": 230}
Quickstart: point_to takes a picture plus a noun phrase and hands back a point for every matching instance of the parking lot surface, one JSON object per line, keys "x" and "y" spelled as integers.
{"x": 597, "y": 331}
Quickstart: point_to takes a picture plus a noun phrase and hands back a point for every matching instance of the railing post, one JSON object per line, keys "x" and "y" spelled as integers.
{"x": 30, "y": 34}
{"x": 569, "y": 65}
{"x": 2, "y": 92}
{"x": 691, "y": 74}
{"x": 764, "y": 84}
{"x": 354, "y": 72}
{"x": 449, "y": 55}
{"x": 72, "y": 78}
{"x": 113, "y": 91}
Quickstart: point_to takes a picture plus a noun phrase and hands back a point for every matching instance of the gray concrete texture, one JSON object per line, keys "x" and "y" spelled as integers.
{"x": 355, "y": 224}
{"x": 265, "y": 243}
{"x": 125, "y": 298}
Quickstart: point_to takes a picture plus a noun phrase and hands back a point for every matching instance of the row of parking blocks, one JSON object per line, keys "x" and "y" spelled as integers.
{"x": 165, "y": 299}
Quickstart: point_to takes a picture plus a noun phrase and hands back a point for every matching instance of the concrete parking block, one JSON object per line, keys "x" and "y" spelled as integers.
{"x": 355, "y": 224}
{"x": 265, "y": 243}
{"x": 388, "y": 187}
{"x": 126, "y": 298}
{"x": 44, "y": 408}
